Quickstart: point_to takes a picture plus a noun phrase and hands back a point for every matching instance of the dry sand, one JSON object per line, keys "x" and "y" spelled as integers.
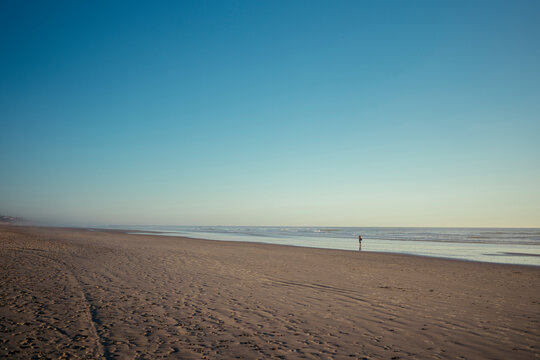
{"x": 103, "y": 294}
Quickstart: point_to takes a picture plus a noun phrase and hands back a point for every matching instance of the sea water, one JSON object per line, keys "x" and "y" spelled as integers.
{"x": 509, "y": 246}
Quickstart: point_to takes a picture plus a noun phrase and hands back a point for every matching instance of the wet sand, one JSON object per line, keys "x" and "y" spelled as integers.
{"x": 74, "y": 293}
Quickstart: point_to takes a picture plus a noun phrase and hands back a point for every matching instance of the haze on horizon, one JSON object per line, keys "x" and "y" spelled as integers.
{"x": 323, "y": 113}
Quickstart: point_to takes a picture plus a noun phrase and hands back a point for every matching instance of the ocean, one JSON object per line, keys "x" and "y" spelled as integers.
{"x": 504, "y": 245}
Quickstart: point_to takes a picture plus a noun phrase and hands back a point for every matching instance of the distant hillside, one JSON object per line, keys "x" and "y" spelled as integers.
{"x": 4, "y": 219}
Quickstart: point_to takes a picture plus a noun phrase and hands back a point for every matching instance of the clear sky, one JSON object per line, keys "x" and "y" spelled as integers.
{"x": 337, "y": 113}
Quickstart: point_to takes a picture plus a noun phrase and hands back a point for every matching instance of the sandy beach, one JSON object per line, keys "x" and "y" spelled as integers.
{"x": 75, "y": 293}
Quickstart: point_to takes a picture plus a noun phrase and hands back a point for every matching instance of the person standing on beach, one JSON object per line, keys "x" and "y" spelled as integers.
{"x": 359, "y": 242}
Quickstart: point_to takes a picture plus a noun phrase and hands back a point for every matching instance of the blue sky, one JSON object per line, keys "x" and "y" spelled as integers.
{"x": 338, "y": 113}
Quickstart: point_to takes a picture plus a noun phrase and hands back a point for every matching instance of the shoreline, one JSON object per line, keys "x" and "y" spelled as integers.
{"x": 162, "y": 234}
{"x": 349, "y": 251}
{"x": 159, "y": 234}
{"x": 102, "y": 293}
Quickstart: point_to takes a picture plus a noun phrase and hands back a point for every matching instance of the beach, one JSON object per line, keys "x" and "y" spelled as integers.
{"x": 104, "y": 294}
